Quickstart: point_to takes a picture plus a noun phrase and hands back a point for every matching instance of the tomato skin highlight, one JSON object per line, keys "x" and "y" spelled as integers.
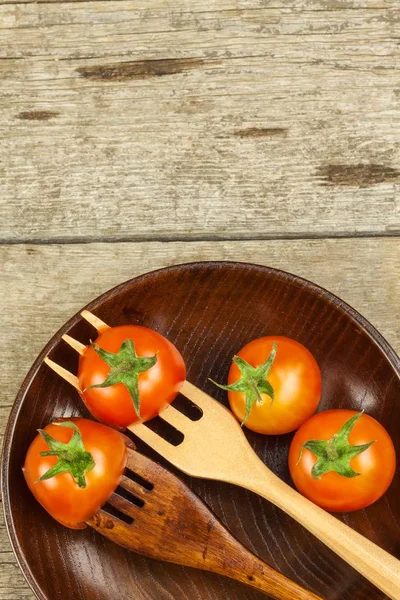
{"x": 295, "y": 377}
{"x": 332, "y": 491}
{"x": 60, "y": 496}
{"x": 157, "y": 387}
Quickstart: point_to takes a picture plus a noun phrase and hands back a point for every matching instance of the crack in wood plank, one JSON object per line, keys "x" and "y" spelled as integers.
{"x": 141, "y": 69}
{"x": 359, "y": 175}
{"x": 261, "y": 132}
{"x": 37, "y": 115}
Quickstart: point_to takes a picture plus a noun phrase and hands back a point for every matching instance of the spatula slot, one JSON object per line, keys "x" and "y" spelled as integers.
{"x": 114, "y": 512}
{"x": 124, "y": 493}
{"x": 139, "y": 480}
{"x": 165, "y": 430}
{"x": 187, "y": 408}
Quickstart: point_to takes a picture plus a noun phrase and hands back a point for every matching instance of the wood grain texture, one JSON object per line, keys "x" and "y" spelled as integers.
{"x": 202, "y": 120}
{"x": 197, "y": 308}
{"x": 12, "y": 582}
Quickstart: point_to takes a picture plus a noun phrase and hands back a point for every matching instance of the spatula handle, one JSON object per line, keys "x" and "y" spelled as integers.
{"x": 218, "y": 552}
{"x": 225, "y": 555}
{"x": 247, "y": 568}
{"x": 374, "y": 563}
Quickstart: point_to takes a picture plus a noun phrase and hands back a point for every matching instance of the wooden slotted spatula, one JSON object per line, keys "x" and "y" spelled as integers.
{"x": 169, "y": 522}
{"x": 203, "y": 453}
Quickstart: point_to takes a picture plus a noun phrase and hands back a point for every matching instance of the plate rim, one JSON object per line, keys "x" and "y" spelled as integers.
{"x": 375, "y": 336}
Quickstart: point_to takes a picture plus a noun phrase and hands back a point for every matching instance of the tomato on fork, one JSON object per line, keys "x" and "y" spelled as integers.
{"x": 129, "y": 374}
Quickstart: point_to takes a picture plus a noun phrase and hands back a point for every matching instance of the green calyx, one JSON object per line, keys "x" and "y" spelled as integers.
{"x": 335, "y": 454}
{"x": 72, "y": 457}
{"x": 125, "y": 366}
{"x": 253, "y": 381}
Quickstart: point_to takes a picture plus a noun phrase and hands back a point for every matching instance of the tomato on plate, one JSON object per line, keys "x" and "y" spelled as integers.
{"x": 274, "y": 385}
{"x": 72, "y": 467}
{"x": 342, "y": 460}
{"x": 131, "y": 373}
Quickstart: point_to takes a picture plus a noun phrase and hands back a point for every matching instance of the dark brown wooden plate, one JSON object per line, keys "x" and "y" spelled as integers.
{"x": 209, "y": 310}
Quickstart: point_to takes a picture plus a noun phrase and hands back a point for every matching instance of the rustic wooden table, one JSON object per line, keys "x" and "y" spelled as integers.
{"x": 142, "y": 134}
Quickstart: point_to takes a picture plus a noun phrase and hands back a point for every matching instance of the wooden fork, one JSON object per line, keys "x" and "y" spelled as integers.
{"x": 171, "y": 523}
{"x": 203, "y": 453}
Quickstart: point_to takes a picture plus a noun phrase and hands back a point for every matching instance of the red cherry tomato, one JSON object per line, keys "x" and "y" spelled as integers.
{"x": 61, "y": 494}
{"x": 294, "y": 377}
{"x": 374, "y": 467}
{"x": 157, "y": 384}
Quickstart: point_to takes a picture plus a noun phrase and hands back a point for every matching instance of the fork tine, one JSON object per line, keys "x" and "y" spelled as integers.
{"x": 155, "y": 441}
{"x": 80, "y": 348}
{"x": 175, "y": 418}
{"x": 66, "y": 375}
{"x": 95, "y": 321}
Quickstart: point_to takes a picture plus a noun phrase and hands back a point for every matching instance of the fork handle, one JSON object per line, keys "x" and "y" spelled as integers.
{"x": 375, "y": 564}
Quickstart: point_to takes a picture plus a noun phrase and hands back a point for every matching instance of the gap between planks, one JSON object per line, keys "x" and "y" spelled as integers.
{"x": 193, "y": 238}
{"x": 199, "y": 12}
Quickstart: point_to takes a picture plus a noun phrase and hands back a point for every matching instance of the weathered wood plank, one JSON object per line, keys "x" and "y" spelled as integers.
{"x": 199, "y": 123}
{"x": 123, "y": 21}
